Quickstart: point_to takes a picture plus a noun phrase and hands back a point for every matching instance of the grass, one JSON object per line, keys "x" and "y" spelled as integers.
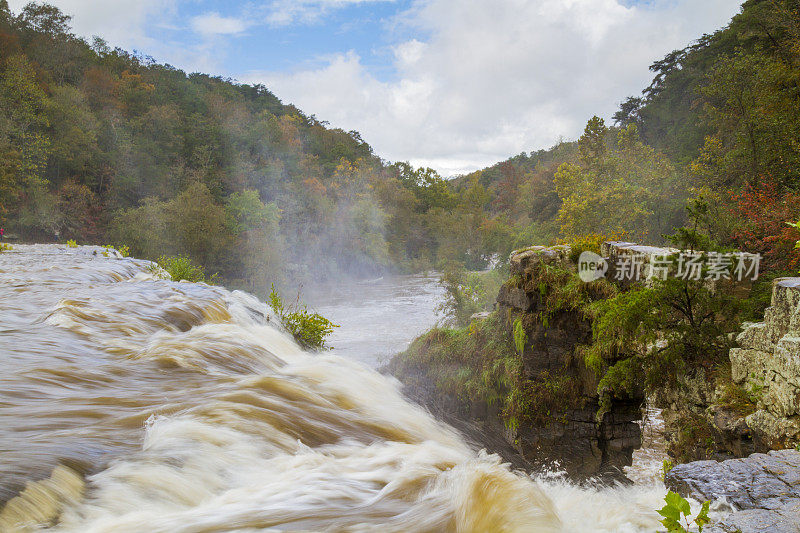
{"x": 735, "y": 397}
{"x": 481, "y": 363}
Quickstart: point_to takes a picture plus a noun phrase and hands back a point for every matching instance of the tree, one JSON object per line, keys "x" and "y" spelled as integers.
{"x": 45, "y": 18}
{"x": 630, "y": 190}
{"x": 592, "y": 144}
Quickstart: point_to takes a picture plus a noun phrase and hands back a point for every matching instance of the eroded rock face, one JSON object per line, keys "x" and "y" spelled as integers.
{"x": 763, "y": 489}
{"x": 582, "y": 445}
{"x": 768, "y": 364}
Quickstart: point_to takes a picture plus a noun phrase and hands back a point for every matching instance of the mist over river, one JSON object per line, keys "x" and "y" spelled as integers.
{"x": 130, "y": 403}
{"x": 380, "y": 317}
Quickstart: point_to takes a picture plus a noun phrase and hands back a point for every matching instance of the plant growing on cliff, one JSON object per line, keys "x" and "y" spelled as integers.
{"x": 652, "y": 335}
{"x": 309, "y": 329}
{"x": 677, "y": 514}
{"x": 520, "y": 337}
{"x": 796, "y": 226}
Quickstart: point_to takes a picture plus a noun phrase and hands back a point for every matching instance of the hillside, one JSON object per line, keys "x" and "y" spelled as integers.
{"x": 103, "y": 146}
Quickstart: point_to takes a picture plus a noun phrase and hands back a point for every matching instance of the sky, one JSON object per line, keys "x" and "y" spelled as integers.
{"x": 455, "y": 85}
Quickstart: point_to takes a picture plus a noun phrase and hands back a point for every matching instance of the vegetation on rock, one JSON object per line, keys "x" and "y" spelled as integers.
{"x": 309, "y": 329}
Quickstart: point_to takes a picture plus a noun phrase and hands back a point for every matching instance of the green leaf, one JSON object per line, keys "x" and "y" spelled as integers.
{"x": 670, "y": 513}
{"x": 674, "y": 499}
{"x": 673, "y": 525}
{"x": 702, "y": 517}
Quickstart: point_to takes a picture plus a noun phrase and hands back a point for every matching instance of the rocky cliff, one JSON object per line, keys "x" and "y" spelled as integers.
{"x": 555, "y": 331}
{"x": 540, "y": 400}
{"x": 767, "y": 364}
{"x": 545, "y": 408}
{"x": 754, "y": 404}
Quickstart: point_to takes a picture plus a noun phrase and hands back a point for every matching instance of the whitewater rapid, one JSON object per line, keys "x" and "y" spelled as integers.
{"x": 131, "y": 403}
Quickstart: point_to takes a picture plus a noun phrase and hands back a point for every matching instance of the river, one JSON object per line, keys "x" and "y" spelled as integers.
{"x": 130, "y": 403}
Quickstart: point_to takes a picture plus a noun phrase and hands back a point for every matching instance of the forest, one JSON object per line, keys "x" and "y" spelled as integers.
{"x": 103, "y": 146}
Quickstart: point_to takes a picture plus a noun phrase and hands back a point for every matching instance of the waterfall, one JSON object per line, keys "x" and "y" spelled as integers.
{"x": 130, "y": 403}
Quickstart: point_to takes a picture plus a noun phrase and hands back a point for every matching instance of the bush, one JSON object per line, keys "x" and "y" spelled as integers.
{"x": 591, "y": 243}
{"x": 796, "y": 226}
{"x": 309, "y": 329}
{"x": 123, "y": 250}
{"x": 656, "y": 334}
{"x": 181, "y": 268}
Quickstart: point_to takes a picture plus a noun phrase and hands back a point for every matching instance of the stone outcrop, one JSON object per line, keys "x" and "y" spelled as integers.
{"x": 707, "y": 415}
{"x": 767, "y": 363}
{"x": 561, "y": 424}
{"x": 582, "y": 444}
{"x": 763, "y": 490}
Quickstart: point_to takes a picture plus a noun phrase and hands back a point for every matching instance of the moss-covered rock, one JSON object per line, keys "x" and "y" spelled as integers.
{"x": 536, "y": 394}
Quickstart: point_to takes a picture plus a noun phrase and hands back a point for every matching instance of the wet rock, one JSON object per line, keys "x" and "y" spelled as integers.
{"x": 763, "y": 489}
{"x": 514, "y": 297}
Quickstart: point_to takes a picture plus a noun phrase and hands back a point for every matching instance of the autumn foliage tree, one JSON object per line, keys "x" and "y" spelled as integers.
{"x": 763, "y": 211}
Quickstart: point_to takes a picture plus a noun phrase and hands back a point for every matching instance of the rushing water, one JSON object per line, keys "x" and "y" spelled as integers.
{"x": 129, "y": 403}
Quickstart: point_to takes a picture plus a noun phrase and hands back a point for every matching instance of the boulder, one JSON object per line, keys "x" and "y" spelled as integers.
{"x": 762, "y": 489}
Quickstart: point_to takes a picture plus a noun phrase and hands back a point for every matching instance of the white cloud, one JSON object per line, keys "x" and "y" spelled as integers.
{"x": 128, "y": 24}
{"x": 215, "y": 24}
{"x": 497, "y": 78}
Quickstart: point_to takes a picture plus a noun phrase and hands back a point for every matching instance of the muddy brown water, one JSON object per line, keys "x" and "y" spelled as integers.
{"x": 131, "y": 403}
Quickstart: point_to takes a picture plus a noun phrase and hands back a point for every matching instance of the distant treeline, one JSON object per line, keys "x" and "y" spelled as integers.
{"x": 100, "y": 145}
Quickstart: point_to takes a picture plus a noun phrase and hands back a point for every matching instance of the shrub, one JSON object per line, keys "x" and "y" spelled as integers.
{"x": 520, "y": 337}
{"x": 591, "y": 243}
{"x": 763, "y": 211}
{"x": 309, "y": 329}
{"x": 181, "y": 268}
{"x": 655, "y": 334}
{"x": 796, "y": 226}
